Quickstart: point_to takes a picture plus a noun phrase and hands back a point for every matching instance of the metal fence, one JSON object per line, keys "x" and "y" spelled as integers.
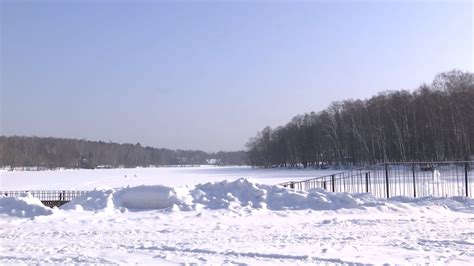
{"x": 48, "y": 197}
{"x": 414, "y": 179}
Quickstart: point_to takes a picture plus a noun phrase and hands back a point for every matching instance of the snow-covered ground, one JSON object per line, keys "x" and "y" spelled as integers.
{"x": 172, "y": 176}
{"x": 237, "y": 221}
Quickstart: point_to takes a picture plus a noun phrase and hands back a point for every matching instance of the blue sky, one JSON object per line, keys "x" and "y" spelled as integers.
{"x": 208, "y": 75}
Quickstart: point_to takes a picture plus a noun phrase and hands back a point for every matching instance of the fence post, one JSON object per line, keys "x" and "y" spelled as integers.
{"x": 324, "y": 185}
{"x": 386, "y": 180}
{"x": 367, "y": 182}
{"x": 333, "y": 183}
{"x": 465, "y": 179}
{"x": 414, "y": 181}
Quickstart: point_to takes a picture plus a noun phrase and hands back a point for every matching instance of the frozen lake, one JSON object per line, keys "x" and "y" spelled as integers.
{"x": 84, "y": 179}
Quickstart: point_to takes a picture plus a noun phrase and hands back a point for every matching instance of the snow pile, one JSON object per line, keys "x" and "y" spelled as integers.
{"x": 242, "y": 193}
{"x": 237, "y": 194}
{"x": 25, "y": 206}
{"x": 99, "y": 199}
{"x": 152, "y": 197}
{"x": 227, "y": 195}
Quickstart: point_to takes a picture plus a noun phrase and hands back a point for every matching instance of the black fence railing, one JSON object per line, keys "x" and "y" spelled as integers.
{"x": 414, "y": 179}
{"x": 48, "y": 197}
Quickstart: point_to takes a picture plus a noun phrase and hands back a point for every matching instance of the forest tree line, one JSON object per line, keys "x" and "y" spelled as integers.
{"x": 435, "y": 122}
{"x": 17, "y": 151}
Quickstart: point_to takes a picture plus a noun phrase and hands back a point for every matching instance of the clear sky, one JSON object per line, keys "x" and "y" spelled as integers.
{"x": 207, "y": 75}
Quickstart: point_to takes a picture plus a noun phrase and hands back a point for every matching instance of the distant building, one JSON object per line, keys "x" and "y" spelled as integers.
{"x": 213, "y": 161}
{"x": 86, "y": 163}
{"x": 104, "y": 167}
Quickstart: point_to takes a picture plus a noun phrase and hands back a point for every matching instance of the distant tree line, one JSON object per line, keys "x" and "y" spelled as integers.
{"x": 16, "y": 151}
{"x": 433, "y": 123}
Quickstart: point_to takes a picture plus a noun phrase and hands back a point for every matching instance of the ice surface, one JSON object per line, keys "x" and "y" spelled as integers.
{"x": 84, "y": 179}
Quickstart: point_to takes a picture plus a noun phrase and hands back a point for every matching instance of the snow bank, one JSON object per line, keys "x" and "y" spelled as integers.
{"x": 241, "y": 193}
{"x": 152, "y": 197}
{"x": 25, "y": 206}
{"x": 99, "y": 199}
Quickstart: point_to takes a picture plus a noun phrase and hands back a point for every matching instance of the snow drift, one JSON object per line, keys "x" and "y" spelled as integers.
{"x": 228, "y": 195}
{"x": 25, "y": 206}
{"x": 99, "y": 199}
{"x": 241, "y": 193}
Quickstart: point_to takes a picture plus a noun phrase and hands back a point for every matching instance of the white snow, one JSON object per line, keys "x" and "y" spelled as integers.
{"x": 84, "y": 179}
{"x": 25, "y": 206}
{"x": 234, "y": 195}
{"x": 233, "y": 221}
